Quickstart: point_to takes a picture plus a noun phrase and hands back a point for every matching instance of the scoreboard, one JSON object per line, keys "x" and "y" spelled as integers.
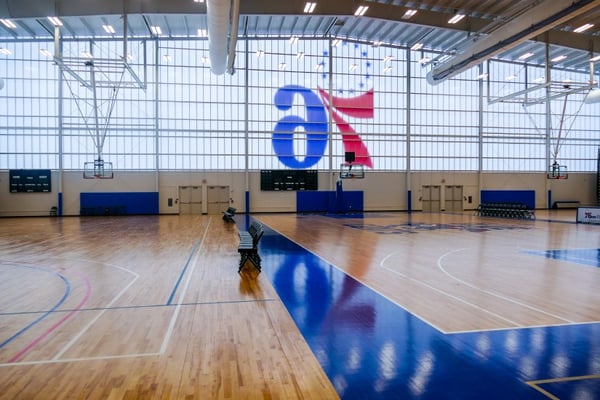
{"x": 289, "y": 179}
{"x": 30, "y": 181}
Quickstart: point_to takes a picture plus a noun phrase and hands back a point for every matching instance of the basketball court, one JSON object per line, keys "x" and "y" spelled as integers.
{"x": 377, "y": 305}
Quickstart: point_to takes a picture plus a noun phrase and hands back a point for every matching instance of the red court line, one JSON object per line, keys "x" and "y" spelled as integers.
{"x": 27, "y": 348}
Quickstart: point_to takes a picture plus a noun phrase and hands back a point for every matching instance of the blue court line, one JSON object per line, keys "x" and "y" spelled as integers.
{"x": 134, "y": 307}
{"x": 589, "y": 257}
{"x": 185, "y": 267}
{"x": 41, "y": 317}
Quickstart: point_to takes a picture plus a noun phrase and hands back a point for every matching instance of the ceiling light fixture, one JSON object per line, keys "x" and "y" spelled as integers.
{"x": 424, "y": 60}
{"x": 388, "y": 58}
{"x": 482, "y": 76}
{"x": 282, "y": 66}
{"x": 377, "y": 43}
{"x": 108, "y": 29}
{"x": 511, "y": 77}
{"x": 336, "y": 42}
{"x": 409, "y": 14}
{"x": 167, "y": 58}
{"x": 260, "y": 53}
{"x": 525, "y": 56}
{"x": 202, "y": 33}
{"x": 309, "y": 7}
{"x": 353, "y": 67}
{"x": 8, "y": 23}
{"x": 87, "y": 54}
{"x": 4, "y": 51}
{"x": 156, "y": 30}
{"x": 417, "y": 46}
{"x": 361, "y": 10}
{"x": 300, "y": 55}
{"x": 294, "y": 39}
{"x": 45, "y": 53}
{"x": 456, "y": 18}
{"x": 558, "y": 59}
{"x": 593, "y": 59}
{"x": 55, "y": 21}
{"x": 387, "y": 69}
{"x": 198, "y": 1}
{"x": 583, "y": 28}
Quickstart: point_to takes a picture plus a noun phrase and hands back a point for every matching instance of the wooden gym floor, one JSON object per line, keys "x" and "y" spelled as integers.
{"x": 380, "y": 305}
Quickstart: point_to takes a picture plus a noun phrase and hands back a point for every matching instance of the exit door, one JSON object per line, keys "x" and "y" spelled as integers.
{"x": 218, "y": 199}
{"x": 190, "y": 199}
{"x": 431, "y": 198}
{"x": 454, "y": 198}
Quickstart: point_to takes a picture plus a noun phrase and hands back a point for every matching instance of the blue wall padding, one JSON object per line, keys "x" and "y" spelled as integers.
{"x": 329, "y": 201}
{"x": 119, "y": 203}
{"x": 526, "y": 197}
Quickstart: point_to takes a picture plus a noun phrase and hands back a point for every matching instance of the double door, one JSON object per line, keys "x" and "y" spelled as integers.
{"x": 432, "y": 198}
{"x": 203, "y": 199}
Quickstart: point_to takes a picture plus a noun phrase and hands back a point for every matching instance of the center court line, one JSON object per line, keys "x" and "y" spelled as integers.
{"x": 498, "y": 295}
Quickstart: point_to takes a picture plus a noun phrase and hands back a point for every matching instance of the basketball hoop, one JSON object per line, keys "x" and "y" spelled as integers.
{"x": 556, "y": 171}
{"x": 352, "y": 171}
{"x": 98, "y": 169}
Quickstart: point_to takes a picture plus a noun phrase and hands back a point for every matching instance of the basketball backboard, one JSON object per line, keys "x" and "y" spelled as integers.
{"x": 352, "y": 171}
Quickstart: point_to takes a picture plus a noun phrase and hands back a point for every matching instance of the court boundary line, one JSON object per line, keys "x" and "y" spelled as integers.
{"x": 491, "y": 293}
{"x": 170, "y": 329}
{"x": 443, "y": 292}
{"x": 517, "y": 327}
{"x": 535, "y": 383}
{"x": 46, "y": 313}
{"x": 56, "y": 325}
{"x": 356, "y": 279}
{"x": 183, "y": 271}
{"x": 134, "y": 306}
{"x": 166, "y": 338}
{"x": 93, "y": 321}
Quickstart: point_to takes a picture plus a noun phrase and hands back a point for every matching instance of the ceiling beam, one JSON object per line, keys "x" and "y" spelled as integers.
{"x": 526, "y": 26}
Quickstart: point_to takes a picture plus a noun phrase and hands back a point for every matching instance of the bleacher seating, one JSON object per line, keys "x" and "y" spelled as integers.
{"x": 505, "y": 210}
{"x": 248, "y": 247}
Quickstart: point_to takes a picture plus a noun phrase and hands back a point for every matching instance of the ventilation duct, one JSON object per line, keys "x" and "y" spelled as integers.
{"x": 539, "y": 19}
{"x": 220, "y": 16}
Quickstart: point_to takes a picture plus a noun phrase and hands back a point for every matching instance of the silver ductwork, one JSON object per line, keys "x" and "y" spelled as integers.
{"x": 541, "y": 18}
{"x": 222, "y": 16}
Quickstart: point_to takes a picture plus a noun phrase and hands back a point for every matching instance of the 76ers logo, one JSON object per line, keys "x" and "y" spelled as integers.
{"x": 315, "y": 125}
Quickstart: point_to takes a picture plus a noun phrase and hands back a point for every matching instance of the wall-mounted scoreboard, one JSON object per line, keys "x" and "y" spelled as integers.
{"x": 289, "y": 179}
{"x": 30, "y": 181}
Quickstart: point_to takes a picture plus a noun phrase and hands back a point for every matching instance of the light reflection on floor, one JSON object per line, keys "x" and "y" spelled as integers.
{"x": 373, "y": 349}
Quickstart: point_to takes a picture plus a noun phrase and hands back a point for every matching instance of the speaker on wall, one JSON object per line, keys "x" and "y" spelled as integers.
{"x": 350, "y": 156}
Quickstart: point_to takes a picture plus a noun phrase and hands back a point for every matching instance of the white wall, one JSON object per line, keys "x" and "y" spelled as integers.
{"x": 383, "y": 191}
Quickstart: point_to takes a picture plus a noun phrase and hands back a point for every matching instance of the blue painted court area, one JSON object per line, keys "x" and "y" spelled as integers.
{"x": 580, "y": 256}
{"x": 371, "y": 348}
